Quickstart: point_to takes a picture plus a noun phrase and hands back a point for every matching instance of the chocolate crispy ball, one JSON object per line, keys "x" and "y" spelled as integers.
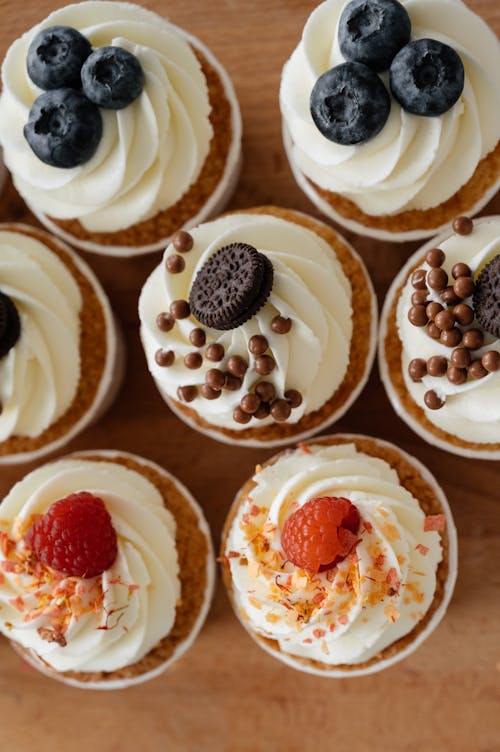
{"x": 433, "y": 400}
{"x": 435, "y": 257}
{"x": 417, "y": 368}
{"x": 182, "y": 241}
{"x": 281, "y": 325}
{"x": 491, "y": 360}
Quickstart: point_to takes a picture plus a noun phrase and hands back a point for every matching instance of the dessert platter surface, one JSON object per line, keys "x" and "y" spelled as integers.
{"x": 226, "y": 693}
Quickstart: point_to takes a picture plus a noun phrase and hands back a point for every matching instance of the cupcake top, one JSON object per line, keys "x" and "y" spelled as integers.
{"x": 105, "y": 600}
{"x": 248, "y": 318}
{"x": 403, "y": 151}
{"x": 141, "y": 155}
{"x": 40, "y": 303}
{"x": 331, "y": 556}
{"x": 449, "y": 325}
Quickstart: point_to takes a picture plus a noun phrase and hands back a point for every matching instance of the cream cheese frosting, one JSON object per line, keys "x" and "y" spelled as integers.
{"x": 109, "y": 621}
{"x": 414, "y": 162}
{"x": 309, "y": 287}
{"x": 348, "y": 614}
{"x": 39, "y": 376}
{"x": 472, "y": 409}
{"x": 150, "y": 152}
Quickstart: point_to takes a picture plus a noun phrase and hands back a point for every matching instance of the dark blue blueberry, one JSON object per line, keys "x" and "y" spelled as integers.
{"x": 55, "y": 57}
{"x": 63, "y": 128}
{"x": 10, "y": 325}
{"x": 349, "y": 104}
{"x": 372, "y": 31}
{"x": 427, "y": 77}
{"x": 112, "y": 77}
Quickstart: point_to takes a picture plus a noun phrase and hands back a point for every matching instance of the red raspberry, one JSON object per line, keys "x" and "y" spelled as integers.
{"x": 321, "y": 533}
{"x": 75, "y": 537}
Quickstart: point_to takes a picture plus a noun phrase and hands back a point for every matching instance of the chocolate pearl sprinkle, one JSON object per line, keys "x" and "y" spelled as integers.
{"x": 193, "y": 360}
{"x": 432, "y": 309}
{"x": 264, "y": 365}
{"x": 182, "y": 241}
{"x": 258, "y": 344}
{"x": 175, "y": 264}
{"x": 281, "y": 325}
{"x": 240, "y": 416}
{"x": 476, "y": 370}
{"x": 420, "y": 297}
{"x": 433, "y": 331}
{"x": 197, "y": 337}
{"x": 215, "y": 379}
{"x": 463, "y": 314}
{"x": 187, "y": 393}
{"x": 250, "y": 403}
{"x": 237, "y": 366}
{"x": 451, "y": 337}
{"x": 418, "y": 279}
{"x": 280, "y": 410}
{"x": 463, "y": 287}
{"x": 417, "y": 315}
{"x": 449, "y": 296}
{"x": 437, "y": 365}
{"x": 165, "y": 322}
{"x": 263, "y": 411}
{"x": 437, "y": 279}
{"x": 266, "y": 391}
{"x": 435, "y": 257}
{"x": 164, "y": 358}
{"x": 460, "y": 357}
{"x": 473, "y": 339}
{"x": 445, "y": 320}
{"x": 208, "y": 393}
{"x": 214, "y": 352}
{"x": 180, "y": 309}
{"x": 294, "y": 397}
{"x": 433, "y": 400}
{"x": 232, "y": 383}
{"x": 461, "y": 270}
{"x": 417, "y": 369}
{"x": 491, "y": 361}
{"x": 456, "y": 375}
{"x": 463, "y": 225}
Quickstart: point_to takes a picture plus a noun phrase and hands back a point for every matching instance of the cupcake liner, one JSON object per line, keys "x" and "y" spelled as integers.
{"x": 418, "y": 422}
{"x": 403, "y": 647}
{"x": 110, "y": 683}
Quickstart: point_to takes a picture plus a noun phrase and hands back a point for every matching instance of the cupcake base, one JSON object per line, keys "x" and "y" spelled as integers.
{"x": 197, "y": 575}
{"x": 205, "y": 198}
{"x": 391, "y": 372}
{"x": 418, "y": 481}
{"x": 362, "y": 352}
{"x": 407, "y": 225}
{"x": 102, "y": 354}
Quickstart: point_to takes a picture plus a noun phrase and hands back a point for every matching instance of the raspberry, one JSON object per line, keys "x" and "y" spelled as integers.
{"x": 75, "y": 537}
{"x": 321, "y": 533}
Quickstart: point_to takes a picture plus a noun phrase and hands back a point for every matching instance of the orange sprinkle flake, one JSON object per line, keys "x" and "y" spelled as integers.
{"x": 2, "y": 578}
{"x": 434, "y": 522}
{"x": 391, "y": 612}
{"x": 324, "y": 648}
{"x": 273, "y": 618}
{"x": 379, "y": 561}
{"x": 307, "y": 640}
{"x": 393, "y": 579}
{"x": 319, "y": 598}
{"x": 254, "y": 568}
{"x": 304, "y": 448}
{"x": 254, "y": 510}
{"x": 319, "y": 633}
{"x": 245, "y": 518}
{"x": 232, "y": 554}
{"x": 390, "y": 531}
{"x": 343, "y": 619}
{"x": 422, "y": 549}
{"x": 382, "y": 511}
{"x": 332, "y": 627}
{"x": 6, "y": 544}
{"x": 415, "y": 593}
{"x": 254, "y": 602}
{"x": 18, "y": 603}
{"x": 401, "y": 559}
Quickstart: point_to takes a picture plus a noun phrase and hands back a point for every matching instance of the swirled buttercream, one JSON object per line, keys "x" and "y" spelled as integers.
{"x": 150, "y": 152}
{"x": 472, "y": 409}
{"x": 39, "y": 376}
{"x": 414, "y": 162}
{"x": 309, "y": 287}
{"x": 102, "y": 623}
{"x": 348, "y": 614}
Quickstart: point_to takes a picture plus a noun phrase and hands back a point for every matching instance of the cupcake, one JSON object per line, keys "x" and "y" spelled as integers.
{"x": 107, "y": 569}
{"x": 439, "y": 352}
{"x": 150, "y": 135}
{"x": 340, "y": 555}
{"x": 61, "y": 355}
{"x": 390, "y": 114}
{"x": 258, "y": 326}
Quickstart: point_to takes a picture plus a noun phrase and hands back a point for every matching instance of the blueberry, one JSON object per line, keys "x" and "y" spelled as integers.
{"x": 64, "y": 128}
{"x": 55, "y": 57}
{"x": 372, "y": 31}
{"x": 349, "y": 104}
{"x": 112, "y": 77}
{"x": 427, "y": 77}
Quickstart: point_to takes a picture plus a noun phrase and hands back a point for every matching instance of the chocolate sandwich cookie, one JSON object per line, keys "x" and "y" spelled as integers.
{"x": 486, "y": 298}
{"x": 10, "y": 325}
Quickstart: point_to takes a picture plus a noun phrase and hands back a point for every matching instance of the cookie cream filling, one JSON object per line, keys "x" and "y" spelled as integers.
{"x": 372, "y": 598}
{"x": 309, "y": 288}
{"x": 471, "y": 410}
{"x": 150, "y": 152}
{"x": 102, "y": 623}
{"x": 414, "y": 162}
{"x": 39, "y": 376}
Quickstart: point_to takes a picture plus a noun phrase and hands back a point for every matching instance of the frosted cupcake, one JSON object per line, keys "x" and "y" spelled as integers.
{"x": 107, "y": 569}
{"x": 258, "y": 326}
{"x": 118, "y": 127}
{"x": 340, "y": 556}
{"x": 61, "y": 355}
{"x": 390, "y": 114}
{"x": 439, "y": 350}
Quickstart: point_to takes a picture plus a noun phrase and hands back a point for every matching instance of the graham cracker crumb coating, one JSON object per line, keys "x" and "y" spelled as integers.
{"x": 461, "y": 203}
{"x": 393, "y": 350}
{"x": 166, "y": 222}
{"x": 360, "y": 341}
{"x": 410, "y": 479}
{"x": 93, "y": 351}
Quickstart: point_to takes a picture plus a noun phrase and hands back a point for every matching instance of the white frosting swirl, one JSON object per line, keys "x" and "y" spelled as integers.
{"x": 39, "y": 376}
{"x": 372, "y": 598}
{"x": 414, "y": 162}
{"x": 114, "y": 619}
{"x": 150, "y": 152}
{"x": 472, "y": 409}
{"x": 309, "y": 287}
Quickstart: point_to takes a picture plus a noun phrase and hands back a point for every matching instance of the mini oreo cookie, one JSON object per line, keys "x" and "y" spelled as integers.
{"x": 231, "y": 287}
{"x": 486, "y": 297}
{"x": 10, "y": 325}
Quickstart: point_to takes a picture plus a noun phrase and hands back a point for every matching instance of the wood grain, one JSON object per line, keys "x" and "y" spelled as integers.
{"x": 226, "y": 694}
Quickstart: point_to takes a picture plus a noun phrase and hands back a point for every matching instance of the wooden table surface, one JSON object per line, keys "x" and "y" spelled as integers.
{"x": 227, "y": 694}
